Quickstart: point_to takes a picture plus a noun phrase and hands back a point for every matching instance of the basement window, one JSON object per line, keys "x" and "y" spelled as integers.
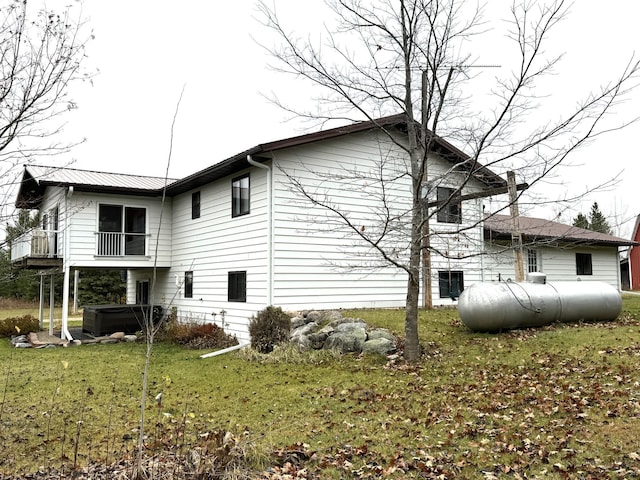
{"x": 451, "y": 283}
{"x": 188, "y": 284}
{"x": 237, "y": 287}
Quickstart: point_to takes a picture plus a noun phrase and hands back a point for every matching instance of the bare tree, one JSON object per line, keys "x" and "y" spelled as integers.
{"x": 40, "y": 55}
{"x": 412, "y": 58}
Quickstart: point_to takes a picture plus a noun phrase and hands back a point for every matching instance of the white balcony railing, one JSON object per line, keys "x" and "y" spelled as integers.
{"x": 36, "y": 243}
{"x": 117, "y": 244}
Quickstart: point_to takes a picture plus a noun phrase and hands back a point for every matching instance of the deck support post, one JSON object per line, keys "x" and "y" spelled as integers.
{"x": 41, "y": 303}
{"x": 52, "y": 285}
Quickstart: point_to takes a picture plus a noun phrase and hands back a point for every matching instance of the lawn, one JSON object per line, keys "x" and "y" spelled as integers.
{"x": 558, "y": 402}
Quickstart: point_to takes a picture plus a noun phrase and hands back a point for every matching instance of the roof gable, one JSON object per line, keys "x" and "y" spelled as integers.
{"x": 392, "y": 123}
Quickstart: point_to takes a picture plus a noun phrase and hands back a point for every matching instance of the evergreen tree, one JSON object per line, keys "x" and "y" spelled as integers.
{"x": 596, "y": 221}
{"x": 581, "y": 221}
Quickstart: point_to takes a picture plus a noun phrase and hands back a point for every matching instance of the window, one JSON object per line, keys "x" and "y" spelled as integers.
{"x": 142, "y": 292}
{"x": 451, "y": 284}
{"x": 240, "y": 196}
{"x": 449, "y": 205}
{"x": 195, "y": 205}
{"x": 237, "y": 287}
{"x": 188, "y": 284}
{"x": 121, "y": 230}
{"x": 583, "y": 264}
{"x": 532, "y": 261}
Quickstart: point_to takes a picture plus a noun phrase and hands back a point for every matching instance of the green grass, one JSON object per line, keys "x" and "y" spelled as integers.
{"x": 557, "y": 402}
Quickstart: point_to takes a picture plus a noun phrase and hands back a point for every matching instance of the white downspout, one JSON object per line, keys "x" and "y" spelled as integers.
{"x": 269, "y": 226}
{"x": 241, "y": 344}
{"x": 64, "y": 332}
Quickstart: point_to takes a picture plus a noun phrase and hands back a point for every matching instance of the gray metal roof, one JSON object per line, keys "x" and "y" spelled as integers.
{"x": 541, "y": 230}
{"x": 72, "y": 176}
{"x": 36, "y": 178}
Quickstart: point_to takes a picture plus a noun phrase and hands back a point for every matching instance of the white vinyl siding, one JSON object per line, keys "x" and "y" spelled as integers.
{"x": 314, "y": 254}
{"x": 80, "y": 211}
{"x": 559, "y": 264}
{"x": 214, "y": 245}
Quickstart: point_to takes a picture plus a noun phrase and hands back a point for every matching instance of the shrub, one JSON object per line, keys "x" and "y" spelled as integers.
{"x": 196, "y": 335}
{"x": 24, "y": 324}
{"x": 268, "y": 328}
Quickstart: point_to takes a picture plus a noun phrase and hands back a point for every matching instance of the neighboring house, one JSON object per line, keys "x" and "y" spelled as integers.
{"x": 562, "y": 252}
{"x": 235, "y": 237}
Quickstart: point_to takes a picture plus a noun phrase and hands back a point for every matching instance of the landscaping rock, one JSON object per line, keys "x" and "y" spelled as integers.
{"x": 130, "y": 338}
{"x": 346, "y": 341}
{"x": 381, "y": 333}
{"x": 313, "y": 329}
{"x": 379, "y": 346}
{"x": 22, "y": 345}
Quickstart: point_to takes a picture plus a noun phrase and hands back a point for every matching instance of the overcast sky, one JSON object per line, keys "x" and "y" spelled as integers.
{"x": 145, "y": 51}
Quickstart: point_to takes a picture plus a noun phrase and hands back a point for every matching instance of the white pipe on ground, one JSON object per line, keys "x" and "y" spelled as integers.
{"x": 240, "y": 345}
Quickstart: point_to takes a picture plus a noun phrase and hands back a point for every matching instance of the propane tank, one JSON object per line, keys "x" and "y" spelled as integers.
{"x": 490, "y": 307}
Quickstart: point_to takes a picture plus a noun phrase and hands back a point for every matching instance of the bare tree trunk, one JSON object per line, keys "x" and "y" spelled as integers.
{"x": 412, "y": 341}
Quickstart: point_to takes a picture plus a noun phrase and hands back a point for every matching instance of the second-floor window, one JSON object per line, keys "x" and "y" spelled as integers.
{"x": 449, "y": 205}
{"x": 121, "y": 230}
{"x": 195, "y": 205}
{"x": 240, "y": 196}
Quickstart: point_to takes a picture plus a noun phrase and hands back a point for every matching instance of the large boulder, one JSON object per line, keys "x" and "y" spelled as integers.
{"x": 379, "y": 346}
{"x": 347, "y": 340}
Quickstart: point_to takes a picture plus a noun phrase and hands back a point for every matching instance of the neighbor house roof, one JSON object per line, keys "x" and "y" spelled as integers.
{"x": 498, "y": 227}
{"x": 36, "y": 178}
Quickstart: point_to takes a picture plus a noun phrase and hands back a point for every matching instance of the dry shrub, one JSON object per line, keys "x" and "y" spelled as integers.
{"x": 268, "y": 328}
{"x": 17, "y": 325}
{"x": 198, "y": 335}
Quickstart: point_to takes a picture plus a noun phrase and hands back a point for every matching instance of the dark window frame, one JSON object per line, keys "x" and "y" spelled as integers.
{"x": 450, "y": 210}
{"x": 237, "y": 286}
{"x": 195, "y": 205}
{"x": 240, "y": 195}
{"x": 447, "y": 279}
{"x": 188, "y": 284}
{"x": 584, "y": 264}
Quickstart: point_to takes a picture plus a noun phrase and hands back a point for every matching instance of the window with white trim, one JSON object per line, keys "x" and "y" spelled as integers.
{"x": 121, "y": 230}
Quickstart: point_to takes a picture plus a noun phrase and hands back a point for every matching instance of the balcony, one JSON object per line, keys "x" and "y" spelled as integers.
{"x": 37, "y": 249}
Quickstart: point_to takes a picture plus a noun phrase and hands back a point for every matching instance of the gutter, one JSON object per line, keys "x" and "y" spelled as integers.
{"x": 64, "y": 331}
{"x": 269, "y": 226}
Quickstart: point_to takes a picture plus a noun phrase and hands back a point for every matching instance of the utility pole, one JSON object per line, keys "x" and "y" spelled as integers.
{"x": 516, "y": 236}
